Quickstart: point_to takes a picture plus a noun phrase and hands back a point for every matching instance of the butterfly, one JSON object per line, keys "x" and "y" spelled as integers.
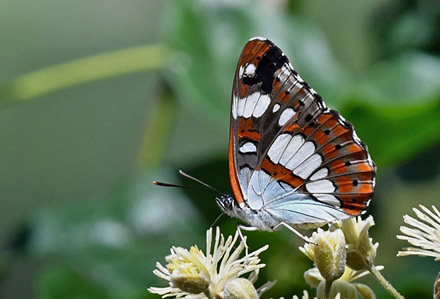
{"x": 293, "y": 162}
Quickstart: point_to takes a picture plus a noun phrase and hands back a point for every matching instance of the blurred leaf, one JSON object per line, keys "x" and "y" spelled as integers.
{"x": 117, "y": 241}
{"x": 160, "y": 118}
{"x": 208, "y": 37}
{"x": 63, "y": 281}
{"x": 408, "y": 78}
{"x": 394, "y": 133}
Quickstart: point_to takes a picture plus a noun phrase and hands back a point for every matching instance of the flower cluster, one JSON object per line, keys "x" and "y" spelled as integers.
{"x": 333, "y": 253}
{"x": 423, "y": 233}
{"x": 192, "y": 274}
{"x": 341, "y": 255}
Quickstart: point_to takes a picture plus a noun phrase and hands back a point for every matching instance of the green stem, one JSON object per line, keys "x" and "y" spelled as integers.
{"x": 84, "y": 70}
{"x": 385, "y": 283}
{"x": 327, "y": 288}
{"x": 437, "y": 287}
{"x": 158, "y": 124}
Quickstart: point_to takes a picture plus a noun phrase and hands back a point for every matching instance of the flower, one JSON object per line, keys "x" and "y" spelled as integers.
{"x": 240, "y": 288}
{"x": 423, "y": 233}
{"x": 192, "y": 274}
{"x": 331, "y": 245}
{"x": 304, "y": 296}
{"x": 329, "y": 253}
{"x": 347, "y": 281}
{"x": 361, "y": 251}
{"x": 188, "y": 273}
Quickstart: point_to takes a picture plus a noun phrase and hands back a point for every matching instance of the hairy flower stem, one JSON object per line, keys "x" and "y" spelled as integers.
{"x": 437, "y": 287}
{"x": 385, "y": 283}
{"x": 328, "y": 286}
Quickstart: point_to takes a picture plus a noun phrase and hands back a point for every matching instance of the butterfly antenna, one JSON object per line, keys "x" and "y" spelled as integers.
{"x": 200, "y": 182}
{"x": 162, "y": 184}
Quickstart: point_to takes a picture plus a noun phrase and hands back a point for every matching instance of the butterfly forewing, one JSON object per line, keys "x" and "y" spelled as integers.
{"x": 285, "y": 141}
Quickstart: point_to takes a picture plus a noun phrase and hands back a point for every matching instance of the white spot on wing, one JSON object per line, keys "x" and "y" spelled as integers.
{"x": 240, "y": 108}
{"x": 277, "y": 148}
{"x": 250, "y": 70}
{"x": 285, "y": 116}
{"x": 322, "y": 186}
{"x": 258, "y": 38}
{"x": 306, "y": 150}
{"x": 248, "y": 147}
{"x": 276, "y": 108}
{"x": 284, "y": 73}
{"x": 294, "y": 144}
{"x": 234, "y": 106}
{"x": 241, "y": 71}
{"x": 322, "y": 173}
{"x": 262, "y": 105}
{"x": 308, "y": 166}
{"x": 251, "y": 101}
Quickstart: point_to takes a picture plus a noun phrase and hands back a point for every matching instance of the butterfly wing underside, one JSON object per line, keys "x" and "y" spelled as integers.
{"x": 288, "y": 152}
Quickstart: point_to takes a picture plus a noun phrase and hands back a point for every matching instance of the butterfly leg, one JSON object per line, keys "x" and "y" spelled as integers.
{"x": 304, "y": 238}
{"x": 245, "y": 227}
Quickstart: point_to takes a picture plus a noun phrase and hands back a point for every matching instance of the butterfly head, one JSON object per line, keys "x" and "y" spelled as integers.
{"x": 226, "y": 203}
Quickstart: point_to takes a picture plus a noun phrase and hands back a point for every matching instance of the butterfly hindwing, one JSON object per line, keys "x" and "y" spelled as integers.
{"x": 284, "y": 141}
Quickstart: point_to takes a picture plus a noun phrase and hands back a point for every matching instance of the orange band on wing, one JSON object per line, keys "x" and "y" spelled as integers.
{"x": 246, "y": 130}
{"x": 281, "y": 173}
{"x": 232, "y": 172}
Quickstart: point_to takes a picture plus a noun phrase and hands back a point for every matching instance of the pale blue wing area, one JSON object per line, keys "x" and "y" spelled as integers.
{"x": 282, "y": 202}
{"x": 299, "y": 209}
{"x": 263, "y": 189}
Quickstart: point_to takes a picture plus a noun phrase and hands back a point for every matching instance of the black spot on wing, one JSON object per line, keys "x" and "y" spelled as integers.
{"x": 272, "y": 60}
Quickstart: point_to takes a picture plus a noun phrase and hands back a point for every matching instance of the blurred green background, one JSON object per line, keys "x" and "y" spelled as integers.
{"x": 98, "y": 98}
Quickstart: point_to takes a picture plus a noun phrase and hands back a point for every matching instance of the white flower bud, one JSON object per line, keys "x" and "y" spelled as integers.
{"x": 343, "y": 288}
{"x": 361, "y": 251}
{"x": 329, "y": 253}
{"x": 365, "y": 291}
{"x": 240, "y": 288}
{"x": 313, "y": 278}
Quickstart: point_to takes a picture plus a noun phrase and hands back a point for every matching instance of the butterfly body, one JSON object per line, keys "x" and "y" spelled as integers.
{"x": 262, "y": 219}
{"x": 291, "y": 159}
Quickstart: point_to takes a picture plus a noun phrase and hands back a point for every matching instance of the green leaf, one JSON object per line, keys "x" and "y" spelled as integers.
{"x": 395, "y": 133}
